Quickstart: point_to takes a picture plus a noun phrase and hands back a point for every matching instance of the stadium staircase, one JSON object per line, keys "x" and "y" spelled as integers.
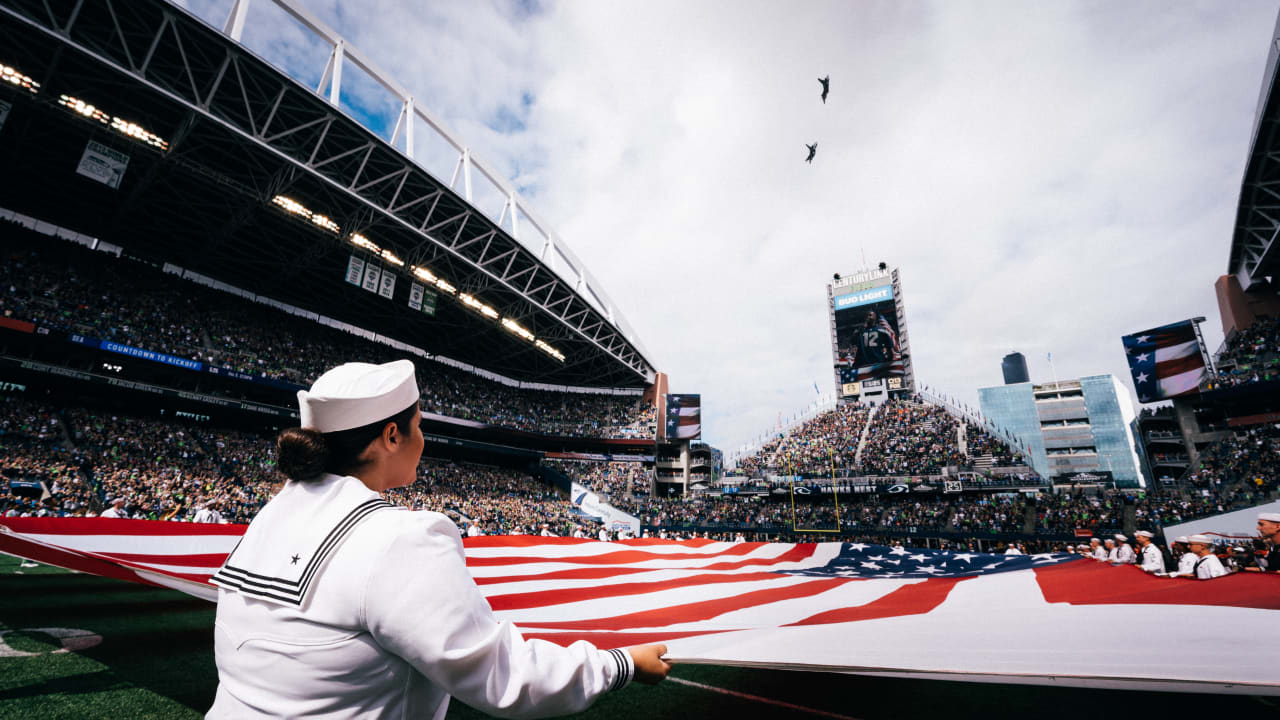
{"x": 1029, "y": 518}
{"x": 962, "y": 439}
{"x": 862, "y": 438}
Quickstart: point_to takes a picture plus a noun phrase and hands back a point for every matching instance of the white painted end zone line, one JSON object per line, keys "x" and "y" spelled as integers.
{"x": 757, "y": 698}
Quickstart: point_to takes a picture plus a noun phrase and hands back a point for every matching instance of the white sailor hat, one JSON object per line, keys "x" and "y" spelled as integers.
{"x": 1121, "y": 537}
{"x": 1270, "y": 517}
{"x": 1145, "y": 533}
{"x": 357, "y": 394}
{"x": 1181, "y": 539}
{"x": 1094, "y": 540}
{"x": 1200, "y": 539}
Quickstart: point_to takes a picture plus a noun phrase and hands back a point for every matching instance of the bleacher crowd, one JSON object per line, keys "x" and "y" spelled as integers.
{"x": 75, "y": 290}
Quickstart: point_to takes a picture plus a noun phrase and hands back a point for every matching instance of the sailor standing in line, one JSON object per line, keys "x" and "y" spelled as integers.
{"x": 1096, "y": 551}
{"x": 1207, "y": 565}
{"x": 1149, "y": 557}
{"x": 1124, "y": 553}
{"x": 337, "y": 603}
{"x": 1110, "y": 550}
{"x": 1186, "y": 561}
{"x": 1269, "y": 530}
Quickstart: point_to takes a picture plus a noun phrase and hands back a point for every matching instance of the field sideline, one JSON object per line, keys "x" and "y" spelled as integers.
{"x": 155, "y": 660}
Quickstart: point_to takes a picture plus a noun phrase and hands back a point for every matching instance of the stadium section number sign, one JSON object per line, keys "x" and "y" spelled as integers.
{"x": 103, "y": 164}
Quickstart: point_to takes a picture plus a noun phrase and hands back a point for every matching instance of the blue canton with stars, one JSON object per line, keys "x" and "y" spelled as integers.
{"x": 858, "y": 560}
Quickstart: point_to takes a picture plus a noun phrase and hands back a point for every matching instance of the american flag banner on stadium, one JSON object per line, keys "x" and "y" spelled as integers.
{"x": 1166, "y": 361}
{"x": 1043, "y": 619}
{"x": 684, "y": 417}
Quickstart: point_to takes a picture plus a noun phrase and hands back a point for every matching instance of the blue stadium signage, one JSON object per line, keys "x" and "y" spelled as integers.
{"x": 864, "y": 297}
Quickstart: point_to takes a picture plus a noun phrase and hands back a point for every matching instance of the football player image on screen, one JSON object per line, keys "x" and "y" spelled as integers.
{"x": 874, "y": 342}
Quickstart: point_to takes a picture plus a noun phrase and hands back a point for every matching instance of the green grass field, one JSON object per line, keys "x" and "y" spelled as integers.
{"x": 155, "y": 660}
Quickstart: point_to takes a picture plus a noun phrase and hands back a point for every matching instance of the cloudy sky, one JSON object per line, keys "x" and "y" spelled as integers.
{"x": 1047, "y": 176}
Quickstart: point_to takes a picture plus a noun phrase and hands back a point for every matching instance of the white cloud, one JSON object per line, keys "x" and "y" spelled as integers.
{"x": 1047, "y": 176}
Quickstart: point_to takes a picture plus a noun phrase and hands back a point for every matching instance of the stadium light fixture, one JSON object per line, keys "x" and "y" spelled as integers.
{"x": 446, "y": 286}
{"x": 120, "y": 125}
{"x": 297, "y": 208}
{"x": 424, "y": 274}
{"x": 544, "y": 347}
{"x": 13, "y": 77}
{"x": 516, "y": 328}
{"x": 367, "y": 244}
{"x": 364, "y": 242}
{"x": 471, "y": 302}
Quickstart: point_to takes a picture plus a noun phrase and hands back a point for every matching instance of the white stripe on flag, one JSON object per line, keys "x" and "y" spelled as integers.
{"x": 1182, "y": 382}
{"x": 1180, "y": 350}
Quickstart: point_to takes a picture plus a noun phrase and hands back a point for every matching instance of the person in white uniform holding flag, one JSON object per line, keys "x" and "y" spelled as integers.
{"x": 1149, "y": 557}
{"x": 1207, "y": 565}
{"x": 338, "y": 604}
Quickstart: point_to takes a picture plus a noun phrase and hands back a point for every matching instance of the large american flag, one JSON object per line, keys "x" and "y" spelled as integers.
{"x": 850, "y": 607}
{"x": 1166, "y": 361}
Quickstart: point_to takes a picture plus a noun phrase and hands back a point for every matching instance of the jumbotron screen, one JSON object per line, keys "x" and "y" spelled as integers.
{"x": 867, "y": 346}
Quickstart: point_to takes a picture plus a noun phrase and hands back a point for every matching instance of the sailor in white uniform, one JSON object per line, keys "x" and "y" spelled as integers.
{"x": 1124, "y": 554}
{"x": 1096, "y": 551}
{"x": 1149, "y": 556}
{"x": 1207, "y": 565}
{"x": 1110, "y": 549}
{"x": 1187, "y": 561}
{"x": 337, "y": 604}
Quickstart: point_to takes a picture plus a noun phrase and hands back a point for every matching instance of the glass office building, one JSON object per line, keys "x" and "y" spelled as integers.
{"x": 1071, "y": 426}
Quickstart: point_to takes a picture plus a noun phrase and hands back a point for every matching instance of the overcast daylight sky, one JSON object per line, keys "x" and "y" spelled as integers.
{"x": 1047, "y": 176}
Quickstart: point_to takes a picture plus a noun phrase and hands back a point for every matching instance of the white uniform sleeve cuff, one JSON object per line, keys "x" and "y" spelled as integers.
{"x": 624, "y": 668}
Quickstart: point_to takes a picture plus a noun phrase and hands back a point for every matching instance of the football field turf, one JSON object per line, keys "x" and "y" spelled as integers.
{"x": 141, "y": 652}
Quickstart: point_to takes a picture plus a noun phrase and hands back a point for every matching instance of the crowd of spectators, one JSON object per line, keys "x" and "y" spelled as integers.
{"x": 1251, "y": 355}
{"x": 493, "y": 500}
{"x": 607, "y": 478}
{"x": 1248, "y": 460}
{"x": 79, "y": 291}
{"x": 830, "y": 438}
{"x": 905, "y": 437}
{"x": 39, "y": 474}
{"x": 910, "y": 437}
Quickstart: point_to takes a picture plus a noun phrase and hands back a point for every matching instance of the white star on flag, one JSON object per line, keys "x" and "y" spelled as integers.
{"x": 870, "y": 566}
{"x": 965, "y": 557}
{"x": 1142, "y": 377}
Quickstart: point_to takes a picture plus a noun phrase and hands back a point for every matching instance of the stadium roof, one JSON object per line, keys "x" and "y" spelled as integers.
{"x": 1255, "y": 256}
{"x": 241, "y": 173}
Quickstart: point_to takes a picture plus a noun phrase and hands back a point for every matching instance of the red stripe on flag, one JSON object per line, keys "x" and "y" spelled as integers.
{"x": 914, "y": 599}
{"x": 543, "y": 598}
{"x": 502, "y": 541}
{"x": 704, "y": 610}
{"x": 66, "y": 559}
{"x": 1081, "y": 583}
{"x": 213, "y": 560}
{"x": 575, "y": 574}
{"x": 1177, "y": 366}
